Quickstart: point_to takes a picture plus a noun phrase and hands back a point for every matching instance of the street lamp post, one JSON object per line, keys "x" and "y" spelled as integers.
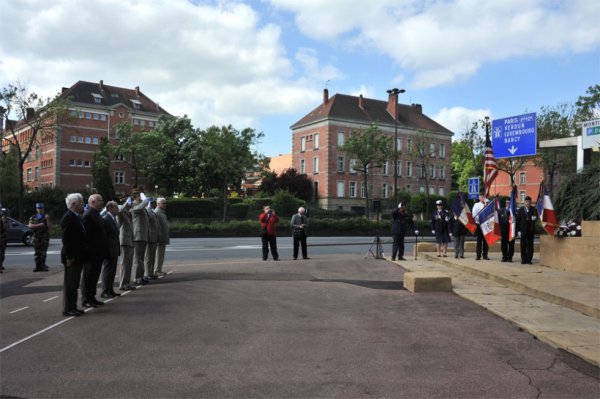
{"x": 395, "y": 92}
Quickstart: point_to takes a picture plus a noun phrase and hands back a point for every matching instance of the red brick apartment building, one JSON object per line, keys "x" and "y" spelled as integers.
{"x": 316, "y": 137}
{"x": 64, "y": 159}
{"x": 527, "y": 179}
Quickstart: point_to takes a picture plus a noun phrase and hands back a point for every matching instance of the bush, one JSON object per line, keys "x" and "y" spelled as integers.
{"x": 191, "y": 208}
{"x": 239, "y": 210}
{"x": 285, "y": 203}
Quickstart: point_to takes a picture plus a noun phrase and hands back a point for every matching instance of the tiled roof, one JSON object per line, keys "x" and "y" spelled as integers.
{"x": 87, "y": 92}
{"x": 344, "y": 107}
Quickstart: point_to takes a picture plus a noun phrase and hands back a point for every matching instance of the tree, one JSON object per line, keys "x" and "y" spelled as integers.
{"x": 370, "y": 148}
{"x": 422, "y": 153}
{"x": 36, "y": 118}
{"x": 226, "y": 157}
{"x": 588, "y": 107}
{"x": 101, "y": 170}
{"x": 289, "y": 180}
{"x": 9, "y": 175}
{"x": 553, "y": 123}
{"x": 578, "y": 196}
{"x": 511, "y": 166}
{"x": 467, "y": 156}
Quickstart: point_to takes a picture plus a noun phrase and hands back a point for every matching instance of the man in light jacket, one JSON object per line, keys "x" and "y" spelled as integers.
{"x": 163, "y": 235}
{"x": 126, "y": 240}
{"x": 140, "y": 234}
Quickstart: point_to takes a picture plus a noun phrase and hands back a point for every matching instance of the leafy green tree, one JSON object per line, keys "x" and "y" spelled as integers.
{"x": 101, "y": 170}
{"x": 467, "y": 155}
{"x": 554, "y": 123}
{"x": 588, "y": 107}
{"x": 226, "y": 157}
{"x": 9, "y": 176}
{"x": 370, "y": 148}
{"x": 578, "y": 196}
{"x": 37, "y": 116}
{"x": 289, "y": 180}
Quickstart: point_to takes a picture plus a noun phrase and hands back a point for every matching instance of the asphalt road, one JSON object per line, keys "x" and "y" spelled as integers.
{"x": 335, "y": 326}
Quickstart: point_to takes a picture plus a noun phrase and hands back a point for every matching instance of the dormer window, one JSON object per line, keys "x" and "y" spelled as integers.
{"x": 136, "y": 104}
{"x": 97, "y": 98}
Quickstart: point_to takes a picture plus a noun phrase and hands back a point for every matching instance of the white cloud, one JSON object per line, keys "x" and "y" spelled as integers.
{"x": 218, "y": 63}
{"x": 459, "y": 119}
{"x": 443, "y": 42}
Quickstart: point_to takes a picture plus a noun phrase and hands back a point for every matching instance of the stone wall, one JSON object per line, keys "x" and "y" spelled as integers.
{"x": 574, "y": 254}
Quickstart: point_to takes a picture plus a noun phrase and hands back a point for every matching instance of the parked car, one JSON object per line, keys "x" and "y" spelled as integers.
{"x": 19, "y": 233}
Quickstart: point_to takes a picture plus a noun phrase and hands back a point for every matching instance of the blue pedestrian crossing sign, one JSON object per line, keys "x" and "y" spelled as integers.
{"x": 473, "y": 187}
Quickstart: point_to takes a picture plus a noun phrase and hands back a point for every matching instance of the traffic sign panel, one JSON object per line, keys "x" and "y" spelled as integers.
{"x": 591, "y": 134}
{"x": 514, "y": 136}
{"x": 473, "y": 187}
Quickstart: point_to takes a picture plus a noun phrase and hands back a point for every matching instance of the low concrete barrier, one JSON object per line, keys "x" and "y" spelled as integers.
{"x": 427, "y": 282}
{"x": 573, "y": 254}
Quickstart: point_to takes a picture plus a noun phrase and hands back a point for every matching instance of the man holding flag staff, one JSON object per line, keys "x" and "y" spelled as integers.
{"x": 482, "y": 246}
{"x": 507, "y": 218}
{"x": 526, "y": 217}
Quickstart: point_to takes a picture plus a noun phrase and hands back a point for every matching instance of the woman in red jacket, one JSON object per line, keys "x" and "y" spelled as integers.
{"x": 268, "y": 219}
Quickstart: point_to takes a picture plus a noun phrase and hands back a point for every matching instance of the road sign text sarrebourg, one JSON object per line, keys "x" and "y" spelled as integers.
{"x": 515, "y": 136}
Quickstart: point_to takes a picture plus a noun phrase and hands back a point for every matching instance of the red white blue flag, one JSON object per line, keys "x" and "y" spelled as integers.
{"x": 546, "y": 211}
{"x": 463, "y": 213}
{"x": 488, "y": 221}
{"x": 490, "y": 167}
{"x": 512, "y": 215}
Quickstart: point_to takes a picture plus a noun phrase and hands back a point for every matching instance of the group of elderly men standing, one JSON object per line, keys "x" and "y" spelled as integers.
{"x": 93, "y": 243}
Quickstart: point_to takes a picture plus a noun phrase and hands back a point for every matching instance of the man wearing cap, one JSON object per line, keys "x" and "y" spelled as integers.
{"x": 440, "y": 225}
{"x": 40, "y": 224}
{"x": 526, "y": 217}
{"x": 507, "y": 246}
{"x": 400, "y": 220}
{"x": 482, "y": 246}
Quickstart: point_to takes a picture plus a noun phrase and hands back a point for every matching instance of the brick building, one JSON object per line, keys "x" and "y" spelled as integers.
{"x": 527, "y": 179}
{"x": 63, "y": 158}
{"x": 316, "y": 137}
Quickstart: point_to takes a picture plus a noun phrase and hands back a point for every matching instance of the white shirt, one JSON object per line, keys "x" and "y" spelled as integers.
{"x": 477, "y": 208}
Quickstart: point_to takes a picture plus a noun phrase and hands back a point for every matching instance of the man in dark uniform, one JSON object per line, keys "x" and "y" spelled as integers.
{"x": 40, "y": 224}
{"x": 73, "y": 253}
{"x": 109, "y": 267}
{"x": 526, "y": 217}
{"x": 440, "y": 228}
{"x": 507, "y": 246}
{"x": 400, "y": 221}
{"x": 97, "y": 242}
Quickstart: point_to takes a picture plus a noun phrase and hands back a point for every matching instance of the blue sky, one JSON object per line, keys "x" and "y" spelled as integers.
{"x": 264, "y": 64}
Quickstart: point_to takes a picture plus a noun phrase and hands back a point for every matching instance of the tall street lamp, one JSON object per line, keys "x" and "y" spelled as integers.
{"x": 395, "y": 92}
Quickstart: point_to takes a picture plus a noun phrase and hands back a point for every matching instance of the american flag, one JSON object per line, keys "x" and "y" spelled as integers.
{"x": 490, "y": 167}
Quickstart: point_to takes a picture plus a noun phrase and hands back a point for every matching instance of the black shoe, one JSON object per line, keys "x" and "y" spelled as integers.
{"x": 151, "y": 277}
{"x": 306, "y": 258}
{"x": 72, "y": 313}
{"x": 114, "y": 294}
{"x": 80, "y": 311}
{"x": 141, "y": 282}
{"x": 276, "y": 260}
{"x": 128, "y": 288}
{"x": 38, "y": 269}
{"x": 509, "y": 260}
{"x": 530, "y": 263}
{"x": 393, "y": 259}
{"x": 401, "y": 258}
{"x": 265, "y": 259}
{"x": 478, "y": 258}
{"x": 88, "y": 305}
{"x": 97, "y": 302}
{"x": 106, "y": 295}
{"x": 486, "y": 258}
{"x": 462, "y": 257}
{"x": 455, "y": 256}
{"x": 503, "y": 260}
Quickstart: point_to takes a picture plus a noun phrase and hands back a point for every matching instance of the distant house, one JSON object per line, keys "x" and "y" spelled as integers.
{"x": 527, "y": 179}
{"x": 280, "y": 163}
{"x": 64, "y": 158}
{"x": 316, "y": 137}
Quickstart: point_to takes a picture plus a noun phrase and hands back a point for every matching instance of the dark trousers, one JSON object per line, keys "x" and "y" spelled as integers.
{"x": 507, "y": 247}
{"x": 109, "y": 271}
{"x": 398, "y": 246}
{"x": 40, "y": 250}
{"x": 272, "y": 241}
{"x": 526, "y": 248}
{"x": 71, "y": 279}
{"x": 89, "y": 281}
{"x": 302, "y": 242}
{"x": 482, "y": 246}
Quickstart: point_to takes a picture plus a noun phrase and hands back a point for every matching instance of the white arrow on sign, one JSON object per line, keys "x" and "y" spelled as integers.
{"x": 512, "y": 150}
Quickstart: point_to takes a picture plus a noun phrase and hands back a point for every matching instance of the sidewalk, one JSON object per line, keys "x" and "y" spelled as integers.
{"x": 559, "y": 308}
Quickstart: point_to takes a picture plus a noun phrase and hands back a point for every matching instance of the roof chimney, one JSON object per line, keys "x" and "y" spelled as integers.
{"x": 325, "y": 96}
{"x": 361, "y": 102}
{"x": 101, "y": 85}
{"x": 418, "y": 108}
{"x": 137, "y": 91}
{"x": 64, "y": 89}
{"x": 392, "y": 104}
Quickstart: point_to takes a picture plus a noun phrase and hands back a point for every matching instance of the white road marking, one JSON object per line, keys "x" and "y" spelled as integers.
{"x": 35, "y": 334}
{"x": 18, "y": 310}
{"x": 49, "y": 299}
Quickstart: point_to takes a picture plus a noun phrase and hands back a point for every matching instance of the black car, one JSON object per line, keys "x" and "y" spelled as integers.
{"x": 19, "y": 233}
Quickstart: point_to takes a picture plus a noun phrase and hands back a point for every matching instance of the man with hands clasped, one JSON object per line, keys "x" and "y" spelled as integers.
{"x": 526, "y": 217}
{"x": 440, "y": 224}
{"x": 40, "y": 224}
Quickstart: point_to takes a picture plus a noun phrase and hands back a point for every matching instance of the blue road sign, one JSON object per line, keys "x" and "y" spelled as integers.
{"x": 515, "y": 136}
{"x": 473, "y": 187}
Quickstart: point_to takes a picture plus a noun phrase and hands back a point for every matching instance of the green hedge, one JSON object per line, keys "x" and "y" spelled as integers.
{"x": 182, "y": 208}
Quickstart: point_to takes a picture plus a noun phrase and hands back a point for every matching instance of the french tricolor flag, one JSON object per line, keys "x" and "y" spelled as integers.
{"x": 512, "y": 215}
{"x": 463, "y": 213}
{"x": 488, "y": 221}
{"x": 546, "y": 211}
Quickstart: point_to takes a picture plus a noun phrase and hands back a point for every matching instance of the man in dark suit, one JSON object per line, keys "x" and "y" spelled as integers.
{"x": 507, "y": 246}
{"x": 526, "y": 217}
{"x": 97, "y": 248}
{"x": 109, "y": 268}
{"x": 73, "y": 254}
